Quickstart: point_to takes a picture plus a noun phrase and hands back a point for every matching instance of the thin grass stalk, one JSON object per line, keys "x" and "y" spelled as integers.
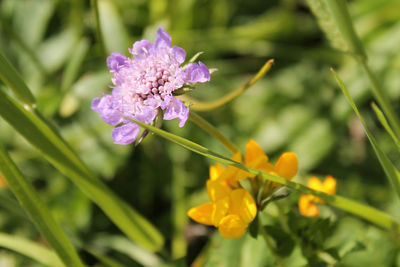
{"x": 366, "y": 212}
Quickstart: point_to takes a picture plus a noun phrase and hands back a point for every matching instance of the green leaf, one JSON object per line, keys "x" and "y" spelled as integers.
{"x": 325, "y": 20}
{"x": 13, "y": 80}
{"x": 30, "y": 249}
{"x": 390, "y": 170}
{"x": 38, "y": 212}
{"x": 10, "y": 204}
{"x": 371, "y": 214}
{"x": 284, "y": 242}
{"x": 341, "y": 16}
{"x": 254, "y": 227}
{"x": 334, "y": 19}
{"x": 33, "y": 127}
{"x": 123, "y": 245}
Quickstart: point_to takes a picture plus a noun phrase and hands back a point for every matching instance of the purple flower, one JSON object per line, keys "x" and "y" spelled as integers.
{"x": 143, "y": 86}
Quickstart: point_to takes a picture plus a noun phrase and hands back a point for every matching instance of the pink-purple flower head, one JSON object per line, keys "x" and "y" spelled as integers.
{"x": 144, "y": 86}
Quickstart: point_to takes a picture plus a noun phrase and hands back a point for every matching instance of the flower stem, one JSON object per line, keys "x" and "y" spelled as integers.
{"x": 363, "y": 211}
{"x": 268, "y": 242}
{"x": 206, "y": 126}
{"x": 207, "y": 106}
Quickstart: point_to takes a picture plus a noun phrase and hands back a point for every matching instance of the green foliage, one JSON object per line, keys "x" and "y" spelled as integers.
{"x": 59, "y": 53}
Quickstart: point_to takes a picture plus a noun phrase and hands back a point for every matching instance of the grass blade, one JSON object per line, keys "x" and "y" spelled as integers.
{"x": 30, "y": 249}
{"x": 390, "y": 170}
{"x": 11, "y": 205}
{"x": 38, "y": 212}
{"x": 371, "y": 214}
{"x": 385, "y": 124}
{"x": 13, "y": 80}
{"x": 57, "y": 152}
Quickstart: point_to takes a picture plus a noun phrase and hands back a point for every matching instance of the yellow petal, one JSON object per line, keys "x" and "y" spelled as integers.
{"x": 232, "y": 226}
{"x": 220, "y": 210}
{"x": 307, "y": 208}
{"x": 202, "y": 213}
{"x": 217, "y": 190}
{"x": 243, "y": 205}
{"x": 315, "y": 183}
{"x": 329, "y": 185}
{"x": 230, "y": 172}
{"x": 254, "y": 152}
{"x": 216, "y": 170}
{"x": 287, "y": 165}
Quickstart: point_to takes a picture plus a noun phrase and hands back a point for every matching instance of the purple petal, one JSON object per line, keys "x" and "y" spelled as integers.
{"x": 141, "y": 48}
{"x": 147, "y": 116}
{"x": 107, "y": 112}
{"x": 163, "y": 39}
{"x": 115, "y": 61}
{"x": 197, "y": 72}
{"x": 179, "y": 54}
{"x": 125, "y": 134}
{"x": 175, "y": 108}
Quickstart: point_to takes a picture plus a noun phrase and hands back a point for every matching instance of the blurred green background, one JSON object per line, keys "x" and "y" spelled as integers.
{"x": 296, "y": 107}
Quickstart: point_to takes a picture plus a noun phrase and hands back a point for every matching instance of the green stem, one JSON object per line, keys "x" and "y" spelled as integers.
{"x": 366, "y": 212}
{"x": 206, "y": 126}
{"x": 95, "y": 8}
{"x": 382, "y": 98}
{"x": 268, "y": 242}
{"x": 207, "y": 106}
{"x": 385, "y": 124}
{"x": 342, "y": 18}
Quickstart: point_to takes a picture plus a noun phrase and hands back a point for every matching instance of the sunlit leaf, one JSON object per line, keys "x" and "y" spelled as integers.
{"x": 30, "y": 249}
{"x": 390, "y": 170}
{"x": 37, "y": 211}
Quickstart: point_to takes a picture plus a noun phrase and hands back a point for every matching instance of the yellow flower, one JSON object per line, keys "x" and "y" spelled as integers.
{"x": 307, "y": 205}
{"x": 231, "y": 208}
{"x": 231, "y": 213}
{"x": 286, "y": 166}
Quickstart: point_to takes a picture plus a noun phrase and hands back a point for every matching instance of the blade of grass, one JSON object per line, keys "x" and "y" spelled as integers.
{"x": 13, "y": 80}
{"x": 11, "y": 205}
{"x": 366, "y": 212}
{"x": 385, "y": 124}
{"x": 37, "y": 211}
{"x": 30, "y": 249}
{"x": 390, "y": 170}
{"x": 122, "y": 245}
{"x": 341, "y": 16}
{"x": 337, "y": 11}
{"x": 207, "y": 106}
{"x": 57, "y": 152}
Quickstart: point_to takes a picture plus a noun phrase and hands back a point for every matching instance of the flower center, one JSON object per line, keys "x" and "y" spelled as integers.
{"x": 155, "y": 81}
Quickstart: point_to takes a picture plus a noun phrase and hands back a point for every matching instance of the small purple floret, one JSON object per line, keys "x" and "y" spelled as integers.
{"x": 143, "y": 86}
{"x": 197, "y": 72}
{"x": 115, "y": 61}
